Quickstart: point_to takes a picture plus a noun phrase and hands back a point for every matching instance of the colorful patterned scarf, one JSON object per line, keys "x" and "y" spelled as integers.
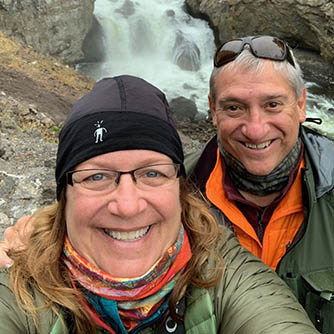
{"x": 136, "y": 299}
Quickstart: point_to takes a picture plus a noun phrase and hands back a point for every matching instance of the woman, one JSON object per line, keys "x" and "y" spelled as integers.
{"x": 127, "y": 249}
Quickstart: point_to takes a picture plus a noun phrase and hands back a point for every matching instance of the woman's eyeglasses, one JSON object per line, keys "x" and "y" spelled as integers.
{"x": 106, "y": 180}
{"x": 266, "y": 47}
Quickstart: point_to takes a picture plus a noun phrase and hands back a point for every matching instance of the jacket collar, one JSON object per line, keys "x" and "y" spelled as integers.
{"x": 205, "y": 164}
{"x": 320, "y": 152}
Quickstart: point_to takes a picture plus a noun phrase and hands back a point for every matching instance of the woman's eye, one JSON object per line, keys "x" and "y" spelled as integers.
{"x": 96, "y": 177}
{"x": 152, "y": 173}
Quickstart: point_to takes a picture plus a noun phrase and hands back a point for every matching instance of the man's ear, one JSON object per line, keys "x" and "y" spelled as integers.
{"x": 213, "y": 111}
{"x": 301, "y": 106}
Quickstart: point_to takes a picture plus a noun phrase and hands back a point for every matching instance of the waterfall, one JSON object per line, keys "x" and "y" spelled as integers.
{"x": 158, "y": 41}
{"x": 321, "y": 106}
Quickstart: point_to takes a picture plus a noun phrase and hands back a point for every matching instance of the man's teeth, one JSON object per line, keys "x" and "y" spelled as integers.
{"x": 258, "y": 147}
{"x": 127, "y": 236}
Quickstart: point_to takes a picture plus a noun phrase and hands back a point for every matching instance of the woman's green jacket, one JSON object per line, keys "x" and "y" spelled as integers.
{"x": 249, "y": 299}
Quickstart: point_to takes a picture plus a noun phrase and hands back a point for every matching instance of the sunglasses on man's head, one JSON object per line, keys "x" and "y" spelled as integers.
{"x": 266, "y": 47}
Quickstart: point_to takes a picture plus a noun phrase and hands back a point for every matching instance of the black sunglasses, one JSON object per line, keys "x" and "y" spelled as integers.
{"x": 267, "y": 47}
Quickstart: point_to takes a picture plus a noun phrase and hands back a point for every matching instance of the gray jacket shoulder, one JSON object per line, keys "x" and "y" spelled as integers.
{"x": 320, "y": 152}
{"x": 191, "y": 161}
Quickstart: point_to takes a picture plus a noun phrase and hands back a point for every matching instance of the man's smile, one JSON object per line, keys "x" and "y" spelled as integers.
{"x": 259, "y": 146}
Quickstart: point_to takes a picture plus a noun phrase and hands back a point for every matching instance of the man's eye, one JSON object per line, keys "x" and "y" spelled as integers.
{"x": 232, "y": 108}
{"x": 273, "y": 105}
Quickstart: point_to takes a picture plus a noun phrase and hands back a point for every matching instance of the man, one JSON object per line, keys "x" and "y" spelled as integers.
{"x": 271, "y": 179}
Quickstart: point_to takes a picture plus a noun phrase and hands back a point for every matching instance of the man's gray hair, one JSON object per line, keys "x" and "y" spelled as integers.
{"x": 247, "y": 61}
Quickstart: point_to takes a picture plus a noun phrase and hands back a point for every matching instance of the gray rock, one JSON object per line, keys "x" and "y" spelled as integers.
{"x": 2, "y": 151}
{"x": 27, "y": 165}
{"x": 186, "y": 54}
{"x": 183, "y": 109}
{"x": 54, "y": 27}
{"x": 307, "y": 24}
{"x": 93, "y": 45}
{"x": 4, "y": 222}
{"x": 127, "y": 8}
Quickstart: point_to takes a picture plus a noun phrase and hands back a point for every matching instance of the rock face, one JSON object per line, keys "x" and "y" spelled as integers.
{"x": 93, "y": 44}
{"x": 308, "y": 24}
{"x": 186, "y": 54}
{"x": 183, "y": 109}
{"x": 55, "y": 27}
{"x": 26, "y": 163}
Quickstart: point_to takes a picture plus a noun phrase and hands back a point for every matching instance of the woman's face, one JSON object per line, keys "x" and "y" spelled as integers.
{"x": 123, "y": 231}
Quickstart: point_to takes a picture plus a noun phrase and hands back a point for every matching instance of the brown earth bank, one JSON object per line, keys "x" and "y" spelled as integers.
{"x": 43, "y": 81}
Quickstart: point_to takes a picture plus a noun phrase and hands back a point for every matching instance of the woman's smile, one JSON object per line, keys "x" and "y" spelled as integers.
{"x": 127, "y": 236}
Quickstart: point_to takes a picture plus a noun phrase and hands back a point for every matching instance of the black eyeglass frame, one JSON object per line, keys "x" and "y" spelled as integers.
{"x": 287, "y": 55}
{"x": 69, "y": 174}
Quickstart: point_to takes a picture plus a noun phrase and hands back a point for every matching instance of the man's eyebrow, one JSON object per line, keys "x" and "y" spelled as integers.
{"x": 277, "y": 96}
{"x": 229, "y": 99}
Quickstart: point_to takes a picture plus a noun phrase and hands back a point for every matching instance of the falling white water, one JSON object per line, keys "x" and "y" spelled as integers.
{"x": 148, "y": 38}
{"x": 321, "y": 106}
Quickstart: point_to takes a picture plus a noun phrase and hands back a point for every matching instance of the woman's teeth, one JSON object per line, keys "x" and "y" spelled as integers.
{"x": 258, "y": 147}
{"x": 127, "y": 236}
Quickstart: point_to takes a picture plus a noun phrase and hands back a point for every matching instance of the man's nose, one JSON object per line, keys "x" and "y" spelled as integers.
{"x": 126, "y": 200}
{"x": 255, "y": 126}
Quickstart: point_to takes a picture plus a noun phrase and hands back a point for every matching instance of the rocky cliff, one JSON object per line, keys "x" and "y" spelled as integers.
{"x": 55, "y": 27}
{"x": 306, "y": 24}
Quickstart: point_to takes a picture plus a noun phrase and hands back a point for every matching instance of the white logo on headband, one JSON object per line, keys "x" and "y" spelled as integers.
{"x": 98, "y": 133}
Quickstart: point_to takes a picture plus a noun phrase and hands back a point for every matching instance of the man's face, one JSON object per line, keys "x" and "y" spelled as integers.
{"x": 257, "y": 116}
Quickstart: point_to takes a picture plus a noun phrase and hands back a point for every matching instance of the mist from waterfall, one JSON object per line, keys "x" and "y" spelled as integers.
{"x": 158, "y": 41}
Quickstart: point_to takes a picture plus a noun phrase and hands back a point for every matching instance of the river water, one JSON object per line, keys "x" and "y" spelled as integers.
{"x": 152, "y": 38}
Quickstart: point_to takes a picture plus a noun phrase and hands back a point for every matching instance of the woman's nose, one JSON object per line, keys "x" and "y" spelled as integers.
{"x": 126, "y": 200}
